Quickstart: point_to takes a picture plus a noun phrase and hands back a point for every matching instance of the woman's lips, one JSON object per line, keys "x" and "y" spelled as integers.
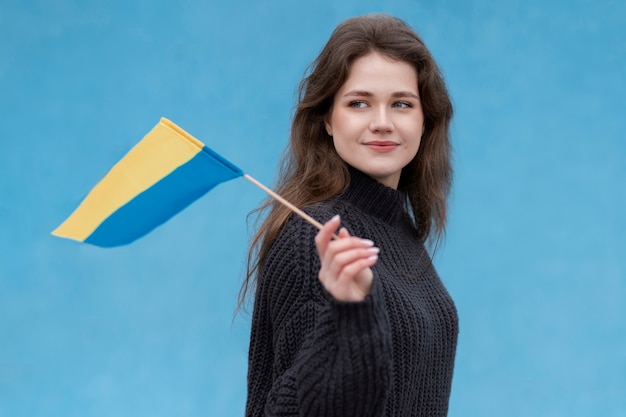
{"x": 381, "y": 146}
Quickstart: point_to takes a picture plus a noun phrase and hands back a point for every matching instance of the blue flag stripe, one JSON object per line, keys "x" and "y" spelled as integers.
{"x": 164, "y": 199}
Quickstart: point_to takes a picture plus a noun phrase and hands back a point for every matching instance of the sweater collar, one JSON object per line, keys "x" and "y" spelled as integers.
{"x": 374, "y": 198}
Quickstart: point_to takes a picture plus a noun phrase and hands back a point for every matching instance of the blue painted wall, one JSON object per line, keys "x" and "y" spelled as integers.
{"x": 535, "y": 255}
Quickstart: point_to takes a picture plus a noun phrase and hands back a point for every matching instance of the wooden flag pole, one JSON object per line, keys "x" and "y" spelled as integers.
{"x": 287, "y": 203}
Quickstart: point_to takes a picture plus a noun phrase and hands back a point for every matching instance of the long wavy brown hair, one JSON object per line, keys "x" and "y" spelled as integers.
{"x": 311, "y": 170}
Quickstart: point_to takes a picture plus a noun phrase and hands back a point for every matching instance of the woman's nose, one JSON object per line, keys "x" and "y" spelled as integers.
{"x": 381, "y": 123}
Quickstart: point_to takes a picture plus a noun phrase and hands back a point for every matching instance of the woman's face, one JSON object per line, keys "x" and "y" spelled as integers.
{"x": 376, "y": 120}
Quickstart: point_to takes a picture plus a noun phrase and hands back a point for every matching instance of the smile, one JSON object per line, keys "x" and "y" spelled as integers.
{"x": 381, "y": 146}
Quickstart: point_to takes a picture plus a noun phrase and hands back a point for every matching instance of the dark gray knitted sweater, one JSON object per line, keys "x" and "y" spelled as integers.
{"x": 389, "y": 355}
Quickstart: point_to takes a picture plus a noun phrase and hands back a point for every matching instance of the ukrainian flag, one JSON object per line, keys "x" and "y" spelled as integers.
{"x": 164, "y": 173}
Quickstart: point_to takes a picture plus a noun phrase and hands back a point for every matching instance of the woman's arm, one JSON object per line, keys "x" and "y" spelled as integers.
{"x": 311, "y": 354}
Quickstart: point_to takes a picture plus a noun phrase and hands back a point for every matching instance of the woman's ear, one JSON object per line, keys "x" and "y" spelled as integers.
{"x": 327, "y": 125}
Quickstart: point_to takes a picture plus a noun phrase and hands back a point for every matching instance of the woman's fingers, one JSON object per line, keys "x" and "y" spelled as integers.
{"x": 345, "y": 263}
{"x": 348, "y": 277}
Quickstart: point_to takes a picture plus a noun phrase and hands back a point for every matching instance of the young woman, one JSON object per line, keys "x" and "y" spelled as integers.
{"x": 357, "y": 324}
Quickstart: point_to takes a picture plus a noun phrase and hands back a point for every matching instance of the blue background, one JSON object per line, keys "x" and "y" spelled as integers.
{"x": 535, "y": 254}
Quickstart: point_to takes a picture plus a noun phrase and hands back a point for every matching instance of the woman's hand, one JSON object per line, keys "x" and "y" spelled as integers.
{"x": 345, "y": 271}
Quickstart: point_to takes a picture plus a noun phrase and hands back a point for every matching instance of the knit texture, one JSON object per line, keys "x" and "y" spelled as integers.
{"x": 389, "y": 355}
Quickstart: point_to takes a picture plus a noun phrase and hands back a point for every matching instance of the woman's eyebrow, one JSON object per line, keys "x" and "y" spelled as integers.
{"x": 405, "y": 94}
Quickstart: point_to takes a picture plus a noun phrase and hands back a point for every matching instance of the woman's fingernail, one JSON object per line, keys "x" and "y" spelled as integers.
{"x": 373, "y": 250}
{"x": 367, "y": 242}
{"x": 335, "y": 218}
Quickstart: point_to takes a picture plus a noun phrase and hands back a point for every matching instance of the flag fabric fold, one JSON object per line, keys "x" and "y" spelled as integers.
{"x": 164, "y": 173}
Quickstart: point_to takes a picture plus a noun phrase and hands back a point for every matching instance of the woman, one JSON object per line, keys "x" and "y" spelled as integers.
{"x": 357, "y": 324}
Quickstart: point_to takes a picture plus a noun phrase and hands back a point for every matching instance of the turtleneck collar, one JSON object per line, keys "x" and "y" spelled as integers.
{"x": 374, "y": 198}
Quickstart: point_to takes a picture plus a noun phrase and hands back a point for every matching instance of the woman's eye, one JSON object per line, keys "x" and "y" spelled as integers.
{"x": 403, "y": 104}
{"x": 357, "y": 104}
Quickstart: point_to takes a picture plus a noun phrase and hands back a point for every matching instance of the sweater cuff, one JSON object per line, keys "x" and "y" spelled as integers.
{"x": 358, "y": 316}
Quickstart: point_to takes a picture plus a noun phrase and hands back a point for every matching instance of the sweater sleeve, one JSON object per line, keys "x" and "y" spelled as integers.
{"x": 311, "y": 355}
